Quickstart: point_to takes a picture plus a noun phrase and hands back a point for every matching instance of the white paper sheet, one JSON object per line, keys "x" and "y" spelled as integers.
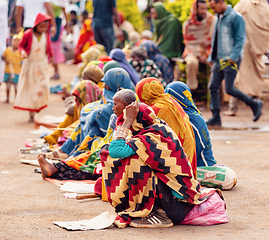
{"x": 77, "y": 187}
{"x": 102, "y": 221}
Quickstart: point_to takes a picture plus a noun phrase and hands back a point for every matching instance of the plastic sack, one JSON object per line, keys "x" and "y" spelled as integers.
{"x": 217, "y": 176}
{"x": 210, "y": 212}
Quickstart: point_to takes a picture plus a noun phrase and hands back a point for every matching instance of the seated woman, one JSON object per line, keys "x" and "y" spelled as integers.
{"x": 204, "y": 154}
{"x": 122, "y": 39}
{"x": 151, "y": 92}
{"x": 155, "y": 54}
{"x": 85, "y": 165}
{"x": 148, "y": 179}
{"x": 85, "y": 92}
{"x": 111, "y": 64}
{"x": 94, "y": 72}
{"x": 144, "y": 66}
{"x": 119, "y": 56}
{"x": 81, "y": 167}
{"x": 94, "y": 117}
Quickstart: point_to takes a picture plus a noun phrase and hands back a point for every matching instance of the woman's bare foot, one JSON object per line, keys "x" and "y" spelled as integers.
{"x": 47, "y": 169}
{"x": 59, "y": 154}
{"x": 7, "y": 101}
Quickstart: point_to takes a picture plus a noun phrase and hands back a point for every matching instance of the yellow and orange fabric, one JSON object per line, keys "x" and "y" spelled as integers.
{"x": 151, "y": 92}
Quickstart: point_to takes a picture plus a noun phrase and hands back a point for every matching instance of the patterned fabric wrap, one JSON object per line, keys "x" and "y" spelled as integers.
{"x": 151, "y": 92}
{"x": 198, "y": 34}
{"x": 155, "y": 54}
{"x": 89, "y": 161}
{"x": 66, "y": 172}
{"x": 147, "y": 68}
{"x": 131, "y": 181}
{"x": 87, "y": 92}
{"x": 95, "y": 116}
{"x": 182, "y": 94}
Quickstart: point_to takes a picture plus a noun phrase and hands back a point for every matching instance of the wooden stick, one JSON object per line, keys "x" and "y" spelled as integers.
{"x": 85, "y": 196}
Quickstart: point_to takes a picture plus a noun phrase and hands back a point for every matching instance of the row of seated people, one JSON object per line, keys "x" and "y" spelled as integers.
{"x": 88, "y": 143}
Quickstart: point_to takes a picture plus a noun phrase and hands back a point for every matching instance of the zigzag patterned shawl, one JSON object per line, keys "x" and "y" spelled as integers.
{"x": 131, "y": 181}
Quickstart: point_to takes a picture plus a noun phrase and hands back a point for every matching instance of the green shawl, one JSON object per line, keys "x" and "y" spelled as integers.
{"x": 168, "y": 32}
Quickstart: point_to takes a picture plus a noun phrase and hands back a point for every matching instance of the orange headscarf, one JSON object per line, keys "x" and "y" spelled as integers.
{"x": 151, "y": 91}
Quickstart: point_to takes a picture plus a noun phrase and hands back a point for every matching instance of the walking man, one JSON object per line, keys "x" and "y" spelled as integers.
{"x": 227, "y": 51}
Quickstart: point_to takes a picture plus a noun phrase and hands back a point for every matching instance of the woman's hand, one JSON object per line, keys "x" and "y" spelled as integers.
{"x": 131, "y": 114}
{"x": 23, "y": 54}
{"x": 132, "y": 110}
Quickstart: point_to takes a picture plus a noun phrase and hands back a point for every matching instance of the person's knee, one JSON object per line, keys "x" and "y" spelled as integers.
{"x": 213, "y": 87}
{"x": 192, "y": 61}
{"x": 229, "y": 90}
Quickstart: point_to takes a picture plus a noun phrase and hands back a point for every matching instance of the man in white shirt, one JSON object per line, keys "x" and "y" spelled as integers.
{"x": 31, "y": 8}
{"x": 3, "y": 35}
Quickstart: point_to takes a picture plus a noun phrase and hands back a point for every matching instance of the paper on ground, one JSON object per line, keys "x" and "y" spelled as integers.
{"x": 102, "y": 221}
{"x": 51, "y": 119}
{"x": 41, "y": 130}
{"x": 78, "y": 187}
{"x": 70, "y": 195}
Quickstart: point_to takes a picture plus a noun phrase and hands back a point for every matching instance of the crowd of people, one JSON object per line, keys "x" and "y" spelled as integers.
{"x": 129, "y": 122}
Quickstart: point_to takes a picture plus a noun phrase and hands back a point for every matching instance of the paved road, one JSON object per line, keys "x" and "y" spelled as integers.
{"x": 29, "y": 205}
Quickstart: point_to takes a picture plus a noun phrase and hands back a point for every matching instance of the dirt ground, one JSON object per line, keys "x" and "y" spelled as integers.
{"x": 29, "y": 205}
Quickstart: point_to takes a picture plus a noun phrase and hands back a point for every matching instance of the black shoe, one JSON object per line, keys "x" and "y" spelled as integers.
{"x": 257, "y": 109}
{"x": 214, "y": 121}
{"x": 156, "y": 219}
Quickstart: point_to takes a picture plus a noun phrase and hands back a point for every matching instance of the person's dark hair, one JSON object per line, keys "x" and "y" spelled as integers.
{"x": 216, "y": 1}
{"x": 84, "y": 14}
{"x": 199, "y": 1}
{"x": 126, "y": 95}
{"x": 38, "y": 24}
{"x": 73, "y": 12}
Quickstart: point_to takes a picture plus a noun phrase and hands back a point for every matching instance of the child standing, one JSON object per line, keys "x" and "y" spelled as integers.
{"x": 13, "y": 59}
{"x": 33, "y": 87}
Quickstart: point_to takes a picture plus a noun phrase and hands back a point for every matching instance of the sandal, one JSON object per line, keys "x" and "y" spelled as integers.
{"x": 57, "y": 155}
{"x": 55, "y": 77}
{"x": 229, "y": 113}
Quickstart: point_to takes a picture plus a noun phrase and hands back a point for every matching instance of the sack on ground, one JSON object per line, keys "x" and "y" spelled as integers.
{"x": 217, "y": 176}
{"x": 210, "y": 212}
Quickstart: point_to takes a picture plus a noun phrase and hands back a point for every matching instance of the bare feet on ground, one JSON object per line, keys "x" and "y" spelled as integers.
{"x": 47, "y": 169}
{"x": 57, "y": 154}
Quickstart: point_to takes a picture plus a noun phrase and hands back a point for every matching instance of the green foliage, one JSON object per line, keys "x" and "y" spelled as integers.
{"x": 232, "y": 2}
{"x": 182, "y": 8}
{"x": 131, "y": 13}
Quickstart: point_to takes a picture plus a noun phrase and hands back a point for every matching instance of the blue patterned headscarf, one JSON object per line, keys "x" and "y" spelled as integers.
{"x": 94, "y": 117}
{"x": 155, "y": 54}
{"x": 182, "y": 94}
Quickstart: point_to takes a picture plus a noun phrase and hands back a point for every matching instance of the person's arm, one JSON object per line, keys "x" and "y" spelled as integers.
{"x": 239, "y": 31}
{"x": 118, "y": 149}
{"x": 51, "y": 14}
{"x": 116, "y": 15}
{"x": 65, "y": 16}
{"x": 18, "y": 18}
